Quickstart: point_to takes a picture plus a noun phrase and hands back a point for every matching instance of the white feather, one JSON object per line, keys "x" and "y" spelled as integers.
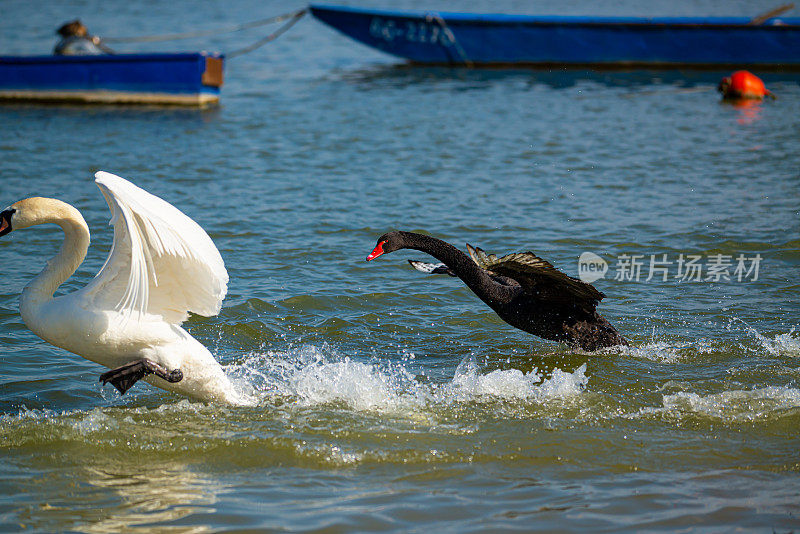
{"x": 161, "y": 262}
{"x": 426, "y": 268}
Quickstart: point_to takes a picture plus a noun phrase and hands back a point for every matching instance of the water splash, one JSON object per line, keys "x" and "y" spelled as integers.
{"x": 312, "y": 376}
{"x": 734, "y": 405}
{"x": 512, "y": 384}
{"x": 782, "y": 344}
{"x": 787, "y": 344}
{"x": 94, "y": 420}
{"x": 660, "y": 351}
{"x": 663, "y": 350}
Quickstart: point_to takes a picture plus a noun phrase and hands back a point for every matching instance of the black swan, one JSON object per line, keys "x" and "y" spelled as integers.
{"x": 526, "y": 291}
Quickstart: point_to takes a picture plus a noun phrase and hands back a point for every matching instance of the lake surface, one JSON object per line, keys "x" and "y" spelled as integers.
{"x": 392, "y": 401}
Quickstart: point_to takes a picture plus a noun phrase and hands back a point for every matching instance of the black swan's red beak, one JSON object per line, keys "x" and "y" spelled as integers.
{"x": 377, "y": 251}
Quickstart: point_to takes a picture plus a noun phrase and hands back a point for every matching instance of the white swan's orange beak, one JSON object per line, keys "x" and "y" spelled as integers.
{"x": 377, "y": 251}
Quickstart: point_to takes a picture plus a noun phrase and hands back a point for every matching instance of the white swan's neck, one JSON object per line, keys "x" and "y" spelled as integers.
{"x": 69, "y": 257}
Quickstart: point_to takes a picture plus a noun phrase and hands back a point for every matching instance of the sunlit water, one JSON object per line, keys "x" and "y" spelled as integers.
{"x": 382, "y": 399}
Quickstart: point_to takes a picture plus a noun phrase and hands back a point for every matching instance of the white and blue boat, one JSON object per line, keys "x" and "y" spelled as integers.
{"x": 607, "y": 42}
{"x": 192, "y": 79}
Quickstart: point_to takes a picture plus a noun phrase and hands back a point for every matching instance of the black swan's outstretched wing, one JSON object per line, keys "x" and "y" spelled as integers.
{"x": 432, "y": 268}
{"x": 539, "y": 278}
{"x": 441, "y": 268}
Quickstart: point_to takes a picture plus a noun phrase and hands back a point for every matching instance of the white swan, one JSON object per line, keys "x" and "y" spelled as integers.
{"x": 161, "y": 266}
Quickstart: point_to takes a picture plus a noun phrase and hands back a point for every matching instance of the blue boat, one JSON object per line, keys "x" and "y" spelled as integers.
{"x": 192, "y": 79}
{"x": 546, "y": 41}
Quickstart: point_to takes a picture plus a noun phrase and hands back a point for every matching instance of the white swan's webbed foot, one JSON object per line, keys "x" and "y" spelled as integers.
{"x": 125, "y": 376}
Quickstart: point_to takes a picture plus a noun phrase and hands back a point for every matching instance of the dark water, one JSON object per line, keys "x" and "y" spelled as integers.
{"x": 388, "y": 400}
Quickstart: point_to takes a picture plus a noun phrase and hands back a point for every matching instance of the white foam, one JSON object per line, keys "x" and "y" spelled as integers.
{"x": 359, "y": 385}
{"x": 314, "y": 376}
{"x": 733, "y": 405}
{"x": 94, "y": 421}
{"x": 665, "y": 351}
{"x": 659, "y": 351}
{"x": 563, "y": 384}
{"x": 29, "y": 414}
{"x": 787, "y": 344}
{"x": 513, "y": 384}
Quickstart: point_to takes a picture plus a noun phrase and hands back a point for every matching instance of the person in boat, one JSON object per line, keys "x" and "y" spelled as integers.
{"x": 76, "y": 41}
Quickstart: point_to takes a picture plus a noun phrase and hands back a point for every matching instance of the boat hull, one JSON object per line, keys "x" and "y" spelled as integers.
{"x": 192, "y": 79}
{"x": 475, "y": 39}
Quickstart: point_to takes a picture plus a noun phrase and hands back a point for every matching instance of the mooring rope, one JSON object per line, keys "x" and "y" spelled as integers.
{"x": 293, "y": 17}
{"x": 296, "y": 16}
{"x": 450, "y": 35}
{"x": 761, "y": 19}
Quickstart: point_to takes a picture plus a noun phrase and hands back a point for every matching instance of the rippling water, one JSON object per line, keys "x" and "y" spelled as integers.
{"x": 384, "y": 399}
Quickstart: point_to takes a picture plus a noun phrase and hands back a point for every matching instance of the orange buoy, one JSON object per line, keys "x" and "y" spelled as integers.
{"x": 743, "y": 85}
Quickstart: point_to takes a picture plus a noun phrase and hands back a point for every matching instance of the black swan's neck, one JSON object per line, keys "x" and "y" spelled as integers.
{"x": 467, "y": 270}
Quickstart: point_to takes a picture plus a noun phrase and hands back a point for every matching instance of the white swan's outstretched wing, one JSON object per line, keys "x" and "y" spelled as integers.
{"x": 161, "y": 262}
